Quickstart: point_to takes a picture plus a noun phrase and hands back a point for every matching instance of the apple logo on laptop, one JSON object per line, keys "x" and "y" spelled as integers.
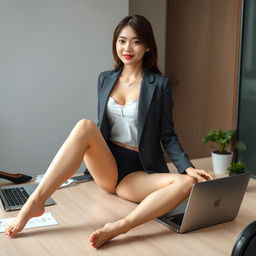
{"x": 216, "y": 203}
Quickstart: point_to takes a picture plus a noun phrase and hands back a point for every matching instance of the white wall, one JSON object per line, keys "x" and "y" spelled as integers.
{"x": 51, "y": 52}
{"x": 155, "y": 12}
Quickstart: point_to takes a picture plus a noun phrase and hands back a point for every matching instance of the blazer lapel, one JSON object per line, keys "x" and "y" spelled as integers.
{"x": 106, "y": 89}
{"x": 146, "y": 94}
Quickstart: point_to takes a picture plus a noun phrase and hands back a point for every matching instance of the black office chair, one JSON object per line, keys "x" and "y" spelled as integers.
{"x": 245, "y": 244}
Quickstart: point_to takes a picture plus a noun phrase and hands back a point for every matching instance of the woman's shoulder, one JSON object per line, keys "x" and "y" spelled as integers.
{"x": 107, "y": 73}
{"x": 157, "y": 77}
{"x": 106, "y": 76}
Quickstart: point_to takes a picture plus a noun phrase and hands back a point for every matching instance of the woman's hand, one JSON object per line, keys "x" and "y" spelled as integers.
{"x": 200, "y": 175}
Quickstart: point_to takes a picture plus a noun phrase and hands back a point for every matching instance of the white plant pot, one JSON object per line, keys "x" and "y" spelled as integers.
{"x": 221, "y": 162}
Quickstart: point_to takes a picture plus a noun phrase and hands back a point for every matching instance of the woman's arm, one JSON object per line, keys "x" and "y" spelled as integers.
{"x": 170, "y": 140}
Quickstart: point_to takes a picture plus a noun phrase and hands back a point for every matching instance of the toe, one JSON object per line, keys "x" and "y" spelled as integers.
{"x": 9, "y": 231}
{"x": 92, "y": 237}
{"x": 93, "y": 240}
{"x": 12, "y": 230}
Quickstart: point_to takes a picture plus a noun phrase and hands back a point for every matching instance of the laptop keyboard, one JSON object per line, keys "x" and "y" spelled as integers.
{"x": 177, "y": 219}
{"x": 15, "y": 196}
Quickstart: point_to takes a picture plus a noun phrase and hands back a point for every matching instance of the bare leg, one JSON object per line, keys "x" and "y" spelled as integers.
{"x": 85, "y": 141}
{"x": 158, "y": 193}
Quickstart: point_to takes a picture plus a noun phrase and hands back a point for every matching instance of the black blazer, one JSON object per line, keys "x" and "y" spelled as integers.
{"x": 155, "y": 125}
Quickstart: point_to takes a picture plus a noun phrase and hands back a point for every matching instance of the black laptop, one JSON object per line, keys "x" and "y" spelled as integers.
{"x": 15, "y": 196}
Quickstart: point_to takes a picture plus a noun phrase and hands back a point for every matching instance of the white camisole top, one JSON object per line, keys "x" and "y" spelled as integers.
{"x": 123, "y": 120}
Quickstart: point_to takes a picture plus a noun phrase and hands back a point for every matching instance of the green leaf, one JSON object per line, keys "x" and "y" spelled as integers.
{"x": 237, "y": 167}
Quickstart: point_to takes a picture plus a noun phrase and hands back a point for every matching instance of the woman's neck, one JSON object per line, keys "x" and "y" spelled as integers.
{"x": 131, "y": 72}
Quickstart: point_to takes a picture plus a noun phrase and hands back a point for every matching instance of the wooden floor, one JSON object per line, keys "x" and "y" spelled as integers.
{"x": 91, "y": 208}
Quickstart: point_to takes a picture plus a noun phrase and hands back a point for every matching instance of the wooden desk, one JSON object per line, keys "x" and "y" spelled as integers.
{"x": 83, "y": 208}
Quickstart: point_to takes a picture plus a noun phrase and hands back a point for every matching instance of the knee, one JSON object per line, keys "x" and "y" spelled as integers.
{"x": 85, "y": 124}
{"x": 83, "y": 127}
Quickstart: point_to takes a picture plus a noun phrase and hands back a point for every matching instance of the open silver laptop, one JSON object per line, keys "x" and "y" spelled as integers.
{"x": 14, "y": 197}
{"x": 211, "y": 202}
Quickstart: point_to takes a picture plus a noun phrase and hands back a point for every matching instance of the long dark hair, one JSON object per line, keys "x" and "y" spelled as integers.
{"x": 144, "y": 31}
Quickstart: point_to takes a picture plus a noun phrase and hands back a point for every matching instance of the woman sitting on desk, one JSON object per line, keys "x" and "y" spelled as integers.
{"x": 124, "y": 154}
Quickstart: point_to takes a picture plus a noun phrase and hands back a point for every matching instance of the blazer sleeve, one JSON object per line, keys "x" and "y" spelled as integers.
{"x": 100, "y": 78}
{"x": 168, "y": 137}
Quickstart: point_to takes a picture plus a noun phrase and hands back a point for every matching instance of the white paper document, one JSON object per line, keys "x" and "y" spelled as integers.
{"x": 67, "y": 183}
{"x": 42, "y": 221}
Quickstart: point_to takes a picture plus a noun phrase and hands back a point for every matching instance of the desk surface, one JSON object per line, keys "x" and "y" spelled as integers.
{"x": 83, "y": 208}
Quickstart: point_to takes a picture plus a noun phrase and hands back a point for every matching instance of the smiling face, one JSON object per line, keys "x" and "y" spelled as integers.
{"x": 129, "y": 48}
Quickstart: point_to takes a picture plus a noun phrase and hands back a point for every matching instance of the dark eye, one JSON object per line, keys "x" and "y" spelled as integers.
{"x": 136, "y": 42}
{"x": 121, "y": 41}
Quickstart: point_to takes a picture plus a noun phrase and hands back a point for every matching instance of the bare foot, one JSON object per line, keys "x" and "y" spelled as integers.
{"x": 109, "y": 231}
{"x": 30, "y": 209}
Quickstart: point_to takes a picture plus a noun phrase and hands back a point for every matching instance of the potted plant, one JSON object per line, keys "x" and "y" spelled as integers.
{"x": 223, "y": 153}
{"x": 236, "y": 168}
